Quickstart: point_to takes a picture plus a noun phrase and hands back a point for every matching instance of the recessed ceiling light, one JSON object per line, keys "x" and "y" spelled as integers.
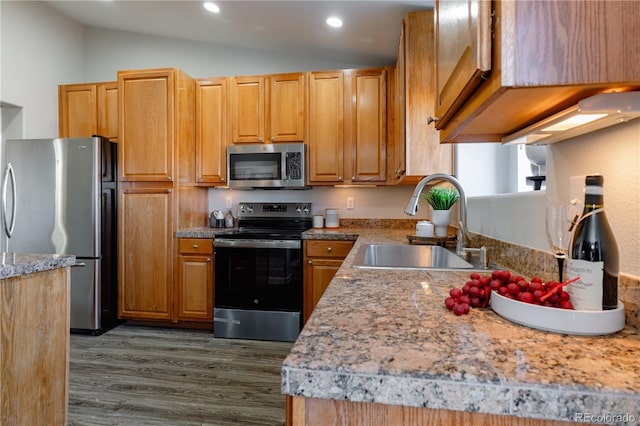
{"x": 212, "y": 7}
{"x": 334, "y": 22}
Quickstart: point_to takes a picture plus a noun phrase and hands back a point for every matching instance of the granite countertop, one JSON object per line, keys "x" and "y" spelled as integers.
{"x": 386, "y": 337}
{"x": 201, "y": 232}
{"x": 17, "y": 264}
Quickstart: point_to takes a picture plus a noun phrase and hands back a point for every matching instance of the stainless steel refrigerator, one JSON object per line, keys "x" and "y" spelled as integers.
{"x": 59, "y": 196}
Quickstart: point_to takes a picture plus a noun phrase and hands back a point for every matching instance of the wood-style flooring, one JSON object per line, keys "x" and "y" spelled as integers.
{"x": 154, "y": 376}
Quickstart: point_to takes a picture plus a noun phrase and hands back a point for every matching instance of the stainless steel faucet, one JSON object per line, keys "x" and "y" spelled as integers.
{"x": 412, "y": 207}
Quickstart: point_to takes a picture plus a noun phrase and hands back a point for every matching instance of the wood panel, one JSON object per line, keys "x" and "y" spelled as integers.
{"x": 211, "y": 130}
{"x": 325, "y": 412}
{"x": 462, "y": 52}
{"x": 195, "y": 287}
{"x": 326, "y": 127}
{"x": 425, "y": 155}
{"x": 146, "y": 118}
{"x": 77, "y": 110}
{"x": 368, "y": 125}
{"x": 146, "y": 253}
{"x": 247, "y": 109}
{"x": 108, "y": 110}
{"x": 287, "y": 107}
{"x": 34, "y": 348}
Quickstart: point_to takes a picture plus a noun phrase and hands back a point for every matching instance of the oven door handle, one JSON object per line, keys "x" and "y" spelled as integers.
{"x": 277, "y": 244}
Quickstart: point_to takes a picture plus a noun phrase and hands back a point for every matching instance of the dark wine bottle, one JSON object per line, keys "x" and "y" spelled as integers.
{"x": 593, "y": 254}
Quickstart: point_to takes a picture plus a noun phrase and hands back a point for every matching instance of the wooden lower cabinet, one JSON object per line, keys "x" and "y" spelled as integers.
{"x": 195, "y": 279}
{"x": 327, "y": 412}
{"x": 146, "y": 253}
{"x": 322, "y": 259}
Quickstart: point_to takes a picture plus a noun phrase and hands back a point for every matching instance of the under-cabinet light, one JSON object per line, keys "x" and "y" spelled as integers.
{"x": 591, "y": 114}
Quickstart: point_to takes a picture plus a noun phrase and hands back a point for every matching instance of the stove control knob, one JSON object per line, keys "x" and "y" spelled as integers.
{"x": 298, "y": 209}
{"x": 306, "y": 209}
{"x": 249, "y": 209}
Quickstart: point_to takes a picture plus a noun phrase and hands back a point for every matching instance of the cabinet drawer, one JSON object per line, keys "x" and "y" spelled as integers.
{"x": 332, "y": 249}
{"x": 196, "y": 245}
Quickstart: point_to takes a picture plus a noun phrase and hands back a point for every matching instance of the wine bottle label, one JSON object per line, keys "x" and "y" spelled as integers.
{"x": 586, "y": 293}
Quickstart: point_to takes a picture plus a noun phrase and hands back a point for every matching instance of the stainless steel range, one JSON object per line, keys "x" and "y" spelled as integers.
{"x": 258, "y": 272}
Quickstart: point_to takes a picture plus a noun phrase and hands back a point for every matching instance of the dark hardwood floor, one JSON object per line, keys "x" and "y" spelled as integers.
{"x": 154, "y": 376}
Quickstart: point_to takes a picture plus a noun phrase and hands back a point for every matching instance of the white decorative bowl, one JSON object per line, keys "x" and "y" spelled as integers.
{"x": 566, "y": 321}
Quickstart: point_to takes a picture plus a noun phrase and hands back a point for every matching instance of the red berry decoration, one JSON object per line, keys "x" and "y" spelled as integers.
{"x": 476, "y": 292}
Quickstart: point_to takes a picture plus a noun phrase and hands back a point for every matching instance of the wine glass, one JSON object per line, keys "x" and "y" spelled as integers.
{"x": 558, "y": 222}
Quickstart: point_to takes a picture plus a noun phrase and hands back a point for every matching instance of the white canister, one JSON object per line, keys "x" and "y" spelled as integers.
{"x": 332, "y": 220}
{"x": 318, "y": 221}
{"x": 424, "y": 228}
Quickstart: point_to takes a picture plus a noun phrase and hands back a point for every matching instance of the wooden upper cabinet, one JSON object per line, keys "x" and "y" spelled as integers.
{"x": 146, "y": 110}
{"x": 462, "y": 53}
{"x": 326, "y": 127}
{"x": 247, "y": 109}
{"x": 367, "y": 125}
{"x": 108, "y": 110}
{"x": 88, "y": 109}
{"x": 211, "y": 130}
{"x": 267, "y": 109}
{"x": 424, "y": 153}
{"x": 287, "y": 107}
{"x": 545, "y": 57}
{"x": 77, "y": 110}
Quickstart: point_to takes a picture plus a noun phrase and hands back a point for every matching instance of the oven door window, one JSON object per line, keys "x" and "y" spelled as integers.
{"x": 258, "y": 278}
{"x": 260, "y": 166}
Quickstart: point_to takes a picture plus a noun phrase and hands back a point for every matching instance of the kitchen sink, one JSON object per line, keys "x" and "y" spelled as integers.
{"x": 405, "y": 256}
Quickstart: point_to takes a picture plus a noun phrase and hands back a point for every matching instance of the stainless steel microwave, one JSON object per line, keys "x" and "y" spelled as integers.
{"x": 266, "y": 166}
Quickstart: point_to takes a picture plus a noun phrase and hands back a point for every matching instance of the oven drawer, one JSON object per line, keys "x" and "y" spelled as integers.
{"x": 195, "y": 246}
{"x": 326, "y": 248}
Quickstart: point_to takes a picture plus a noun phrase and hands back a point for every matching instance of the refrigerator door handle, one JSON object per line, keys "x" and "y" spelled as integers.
{"x": 78, "y": 265}
{"x": 9, "y": 173}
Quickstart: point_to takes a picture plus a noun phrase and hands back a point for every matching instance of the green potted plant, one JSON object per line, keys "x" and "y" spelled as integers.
{"x": 441, "y": 200}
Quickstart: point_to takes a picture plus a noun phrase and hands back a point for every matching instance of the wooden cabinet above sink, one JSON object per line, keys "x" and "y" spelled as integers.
{"x": 546, "y": 56}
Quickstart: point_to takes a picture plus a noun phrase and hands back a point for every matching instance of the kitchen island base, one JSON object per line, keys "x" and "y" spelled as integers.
{"x": 34, "y": 348}
{"x": 327, "y": 412}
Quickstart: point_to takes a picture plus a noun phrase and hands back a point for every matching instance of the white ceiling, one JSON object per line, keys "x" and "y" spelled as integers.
{"x": 369, "y": 36}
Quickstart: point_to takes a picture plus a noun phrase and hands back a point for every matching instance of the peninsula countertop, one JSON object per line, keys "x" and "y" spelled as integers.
{"x": 17, "y": 264}
{"x": 385, "y": 336}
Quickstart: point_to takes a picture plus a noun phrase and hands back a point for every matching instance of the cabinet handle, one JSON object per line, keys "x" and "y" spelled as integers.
{"x": 431, "y": 119}
{"x": 195, "y": 246}
{"x": 169, "y": 178}
{"x": 329, "y": 249}
{"x": 208, "y": 259}
{"x": 310, "y": 262}
{"x": 260, "y": 140}
{"x": 339, "y": 177}
{"x": 168, "y": 190}
{"x": 222, "y": 180}
{"x": 273, "y": 138}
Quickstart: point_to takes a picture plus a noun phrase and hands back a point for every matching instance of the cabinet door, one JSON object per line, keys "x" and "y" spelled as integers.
{"x": 211, "y": 131}
{"x": 145, "y": 246}
{"x": 368, "y": 126}
{"x": 463, "y": 52}
{"x": 424, "y": 153}
{"x": 318, "y": 275}
{"x": 247, "y": 109}
{"x": 77, "y": 110}
{"x": 195, "y": 287}
{"x": 287, "y": 107}
{"x": 108, "y": 110}
{"x": 146, "y": 117}
{"x": 326, "y": 127}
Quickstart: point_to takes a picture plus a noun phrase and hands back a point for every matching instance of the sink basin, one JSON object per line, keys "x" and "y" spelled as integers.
{"x": 404, "y": 256}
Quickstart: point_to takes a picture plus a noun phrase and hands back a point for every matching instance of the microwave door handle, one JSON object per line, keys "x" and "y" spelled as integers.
{"x": 9, "y": 174}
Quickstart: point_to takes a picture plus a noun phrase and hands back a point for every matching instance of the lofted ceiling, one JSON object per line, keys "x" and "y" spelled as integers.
{"x": 369, "y": 36}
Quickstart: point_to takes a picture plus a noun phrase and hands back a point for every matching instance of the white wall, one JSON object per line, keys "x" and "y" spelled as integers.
{"x": 40, "y": 49}
{"x": 108, "y": 51}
